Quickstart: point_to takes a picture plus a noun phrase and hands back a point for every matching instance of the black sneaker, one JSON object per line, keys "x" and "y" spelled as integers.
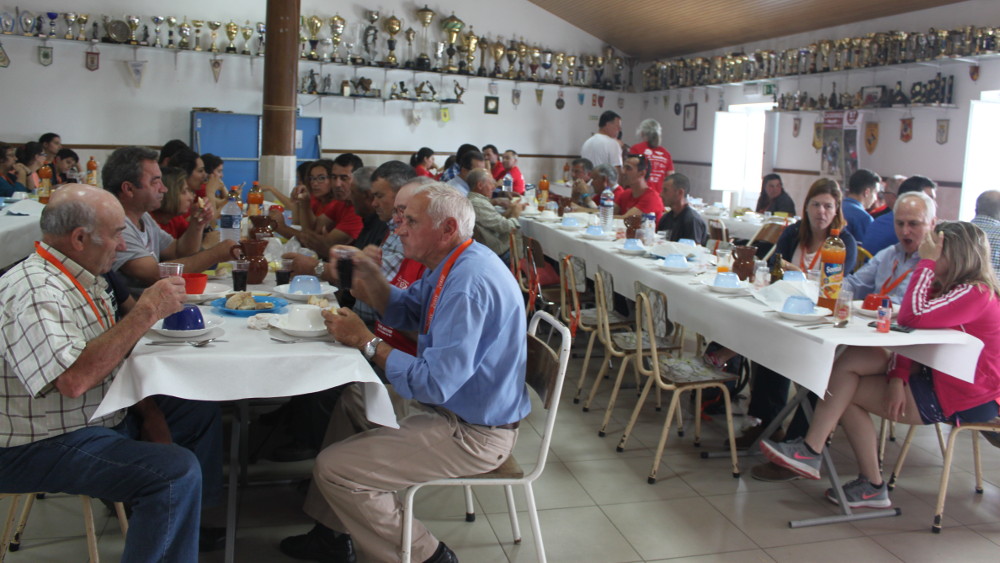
{"x": 320, "y": 544}
{"x": 443, "y": 554}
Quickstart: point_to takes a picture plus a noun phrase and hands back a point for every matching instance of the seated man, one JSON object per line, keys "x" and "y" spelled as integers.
{"x": 64, "y": 162}
{"x": 508, "y": 166}
{"x": 881, "y": 233}
{"x": 374, "y": 229}
{"x": 681, "y": 221}
{"x": 492, "y": 228}
{"x": 466, "y": 382}
{"x": 61, "y": 348}
{"x": 469, "y": 161}
{"x": 988, "y": 219}
{"x": 132, "y": 175}
{"x": 637, "y": 198}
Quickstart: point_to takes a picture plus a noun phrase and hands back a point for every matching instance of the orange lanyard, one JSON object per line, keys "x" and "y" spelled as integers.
{"x": 440, "y": 283}
{"x": 802, "y": 259}
{"x": 55, "y": 262}
{"x": 890, "y": 284}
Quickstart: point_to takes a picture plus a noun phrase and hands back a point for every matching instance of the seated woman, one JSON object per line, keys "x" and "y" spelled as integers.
{"x": 172, "y": 216}
{"x": 214, "y": 188}
{"x": 301, "y": 184}
{"x": 423, "y": 162}
{"x": 30, "y": 157}
{"x": 193, "y": 166}
{"x": 773, "y": 197}
{"x": 9, "y": 181}
{"x": 953, "y": 286}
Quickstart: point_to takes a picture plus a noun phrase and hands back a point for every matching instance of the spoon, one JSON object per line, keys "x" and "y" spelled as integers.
{"x": 195, "y": 343}
{"x": 287, "y": 341}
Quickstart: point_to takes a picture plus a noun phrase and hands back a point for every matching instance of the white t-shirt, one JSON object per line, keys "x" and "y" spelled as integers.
{"x": 601, "y": 149}
{"x": 148, "y": 242}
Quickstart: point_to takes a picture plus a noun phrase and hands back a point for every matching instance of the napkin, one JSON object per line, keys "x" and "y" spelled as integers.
{"x": 26, "y": 207}
{"x": 260, "y": 321}
{"x": 667, "y": 248}
{"x": 775, "y": 295}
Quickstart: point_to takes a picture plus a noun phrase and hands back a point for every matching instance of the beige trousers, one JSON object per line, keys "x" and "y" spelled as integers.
{"x": 358, "y": 476}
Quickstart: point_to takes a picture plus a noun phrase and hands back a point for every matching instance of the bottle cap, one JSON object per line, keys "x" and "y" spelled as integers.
{"x": 835, "y": 232}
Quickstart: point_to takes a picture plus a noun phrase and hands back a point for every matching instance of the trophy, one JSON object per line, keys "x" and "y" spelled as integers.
{"x": 631, "y": 62}
{"x": 392, "y": 26}
{"x": 133, "y": 24}
{"x": 232, "y": 32}
{"x": 511, "y": 59}
{"x": 424, "y": 16}
{"x": 410, "y": 34}
{"x": 82, "y": 18}
{"x": 70, "y": 18}
{"x": 303, "y": 39}
{"x": 247, "y": 34}
{"x": 484, "y": 46}
{"x": 214, "y": 26}
{"x": 370, "y": 38}
{"x": 27, "y": 22}
{"x": 157, "y": 22}
{"x": 522, "y": 55}
{"x": 261, "y": 38}
{"x": 171, "y": 23}
{"x": 546, "y": 65}
{"x": 535, "y": 56}
{"x": 619, "y": 65}
{"x": 452, "y": 26}
{"x": 197, "y": 33}
{"x": 53, "y": 16}
{"x": 439, "y": 50}
{"x": 498, "y": 51}
{"x": 337, "y": 25}
{"x": 571, "y": 70}
{"x": 560, "y": 59}
{"x": 588, "y": 62}
{"x": 314, "y": 24}
{"x": 823, "y": 62}
{"x": 470, "y": 41}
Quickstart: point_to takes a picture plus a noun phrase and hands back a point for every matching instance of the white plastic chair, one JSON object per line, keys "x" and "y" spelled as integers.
{"x": 545, "y": 374}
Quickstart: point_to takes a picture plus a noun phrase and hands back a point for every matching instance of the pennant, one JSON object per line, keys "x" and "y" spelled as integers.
{"x": 4, "y": 59}
{"x": 92, "y": 60}
{"x": 581, "y": 97}
{"x": 621, "y": 102}
{"x": 942, "y": 131}
{"x": 216, "y": 69}
{"x": 818, "y": 135}
{"x": 666, "y": 102}
{"x": 44, "y": 55}
{"x": 871, "y": 136}
{"x": 796, "y": 126}
{"x": 539, "y": 93}
{"x": 906, "y": 129}
{"x": 593, "y": 100}
{"x": 416, "y": 116}
{"x": 445, "y": 114}
{"x": 645, "y": 105}
{"x": 515, "y": 96}
{"x": 974, "y": 72}
{"x": 136, "y": 69}
{"x": 600, "y": 100}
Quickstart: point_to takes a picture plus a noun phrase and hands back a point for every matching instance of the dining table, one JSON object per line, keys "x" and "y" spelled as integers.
{"x": 802, "y": 352}
{"x": 241, "y": 364}
{"x": 19, "y": 229}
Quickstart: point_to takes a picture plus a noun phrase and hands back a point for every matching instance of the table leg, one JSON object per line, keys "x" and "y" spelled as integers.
{"x": 235, "y": 466}
{"x": 801, "y": 396}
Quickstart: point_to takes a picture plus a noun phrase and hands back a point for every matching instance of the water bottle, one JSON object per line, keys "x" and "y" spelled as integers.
{"x": 649, "y": 224}
{"x": 230, "y": 220}
{"x": 508, "y": 183}
{"x": 607, "y": 210}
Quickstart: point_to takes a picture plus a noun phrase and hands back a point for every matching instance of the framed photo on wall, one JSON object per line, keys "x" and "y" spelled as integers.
{"x": 492, "y": 105}
{"x": 690, "y": 117}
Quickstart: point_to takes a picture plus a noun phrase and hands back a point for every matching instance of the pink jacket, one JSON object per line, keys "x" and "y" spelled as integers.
{"x": 970, "y": 308}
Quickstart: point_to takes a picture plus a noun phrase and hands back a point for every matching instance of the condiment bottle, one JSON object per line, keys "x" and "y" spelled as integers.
{"x": 884, "y": 321}
{"x": 833, "y": 254}
{"x": 44, "y": 184}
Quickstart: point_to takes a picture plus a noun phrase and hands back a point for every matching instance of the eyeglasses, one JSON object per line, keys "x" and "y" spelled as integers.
{"x": 318, "y": 178}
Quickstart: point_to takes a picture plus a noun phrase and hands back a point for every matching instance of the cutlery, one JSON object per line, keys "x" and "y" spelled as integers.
{"x": 813, "y": 323}
{"x": 287, "y": 341}
{"x": 195, "y": 343}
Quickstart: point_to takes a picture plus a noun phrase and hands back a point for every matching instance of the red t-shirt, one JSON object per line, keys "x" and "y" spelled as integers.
{"x": 421, "y": 171}
{"x": 648, "y": 202}
{"x": 515, "y": 173}
{"x": 618, "y": 192}
{"x": 409, "y": 272}
{"x": 175, "y": 226}
{"x": 341, "y": 213}
{"x": 661, "y": 164}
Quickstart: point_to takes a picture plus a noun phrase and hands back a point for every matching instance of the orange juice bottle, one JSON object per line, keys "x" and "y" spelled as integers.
{"x": 44, "y": 184}
{"x": 92, "y": 172}
{"x": 255, "y": 198}
{"x": 833, "y": 254}
{"x": 543, "y": 192}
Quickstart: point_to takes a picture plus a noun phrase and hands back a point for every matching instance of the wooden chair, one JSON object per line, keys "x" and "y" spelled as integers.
{"x": 770, "y": 231}
{"x": 541, "y": 284}
{"x": 12, "y": 537}
{"x": 675, "y": 375}
{"x": 718, "y": 235}
{"x": 545, "y": 374}
{"x": 863, "y": 257}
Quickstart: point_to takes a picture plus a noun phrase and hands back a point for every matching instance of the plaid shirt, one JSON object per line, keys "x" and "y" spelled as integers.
{"x": 45, "y": 324}
{"x": 392, "y": 257}
{"x": 991, "y": 227}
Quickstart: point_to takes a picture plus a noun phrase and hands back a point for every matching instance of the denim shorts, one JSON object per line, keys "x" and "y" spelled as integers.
{"x": 922, "y": 387}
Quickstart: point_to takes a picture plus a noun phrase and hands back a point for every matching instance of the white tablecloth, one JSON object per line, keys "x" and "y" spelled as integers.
{"x": 19, "y": 233}
{"x": 249, "y": 365}
{"x": 741, "y": 324}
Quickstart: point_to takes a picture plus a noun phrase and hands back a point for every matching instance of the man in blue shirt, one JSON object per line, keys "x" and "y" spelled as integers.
{"x": 466, "y": 381}
{"x": 469, "y": 161}
{"x": 988, "y": 219}
{"x": 862, "y": 191}
{"x": 881, "y": 233}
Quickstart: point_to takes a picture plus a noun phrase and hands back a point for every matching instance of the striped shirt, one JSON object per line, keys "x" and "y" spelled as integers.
{"x": 45, "y": 324}
{"x": 991, "y": 227}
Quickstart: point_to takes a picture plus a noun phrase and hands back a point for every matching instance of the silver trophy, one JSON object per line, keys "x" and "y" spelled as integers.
{"x": 27, "y": 23}
{"x": 261, "y": 38}
{"x": 370, "y": 36}
{"x": 70, "y": 18}
{"x": 157, "y": 22}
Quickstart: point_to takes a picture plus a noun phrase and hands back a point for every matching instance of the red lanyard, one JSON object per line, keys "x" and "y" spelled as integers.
{"x": 55, "y": 262}
{"x": 802, "y": 259}
{"x": 440, "y": 283}
{"x": 890, "y": 284}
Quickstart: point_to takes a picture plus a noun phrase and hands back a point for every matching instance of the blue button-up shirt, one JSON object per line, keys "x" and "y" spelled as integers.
{"x": 472, "y": 359}
{"x": 883, "y": 268}
{"x": 857, "y": 218}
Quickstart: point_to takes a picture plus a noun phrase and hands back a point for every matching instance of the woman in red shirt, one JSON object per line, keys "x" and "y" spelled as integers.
{"x": 177, "y": 202}
{"x": 423, "y": 162}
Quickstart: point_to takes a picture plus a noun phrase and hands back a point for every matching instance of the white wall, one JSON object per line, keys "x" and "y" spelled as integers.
{"x": 102, "y": 108}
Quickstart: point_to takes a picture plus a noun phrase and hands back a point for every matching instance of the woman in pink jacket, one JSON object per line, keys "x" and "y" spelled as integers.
{"x": 953, "y": 286}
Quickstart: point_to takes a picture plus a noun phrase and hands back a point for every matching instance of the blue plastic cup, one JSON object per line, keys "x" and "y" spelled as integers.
{"x": 726, "y": 279}
{"x": 570, "y": 222}
{"x": 794, "y": 275}
{"x": 687, "y": 241}
{"x": 188, "y": 318}
{"x": 595, "y": 230}
{"x": 633, "y": 244}
{"x": 798, "y": 305}
{"x": 304, "y": 285}
{"x": 675, "y": 261}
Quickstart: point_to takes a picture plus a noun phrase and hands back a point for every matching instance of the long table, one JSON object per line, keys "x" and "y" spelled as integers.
{"x": 19, "y": 232}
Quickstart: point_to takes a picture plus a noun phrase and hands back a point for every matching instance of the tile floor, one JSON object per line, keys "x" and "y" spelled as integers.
{"x": 596, "y": 506}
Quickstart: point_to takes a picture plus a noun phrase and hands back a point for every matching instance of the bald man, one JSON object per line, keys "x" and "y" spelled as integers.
{"x": 61, "y": 348}
{"x": 988, "y": 219}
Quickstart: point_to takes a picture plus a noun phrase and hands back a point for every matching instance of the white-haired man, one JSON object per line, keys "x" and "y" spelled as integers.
{"x": 661, "y": 164}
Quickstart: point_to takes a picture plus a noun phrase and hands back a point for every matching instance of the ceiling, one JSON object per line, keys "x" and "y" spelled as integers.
{"x": 651, "y": 29}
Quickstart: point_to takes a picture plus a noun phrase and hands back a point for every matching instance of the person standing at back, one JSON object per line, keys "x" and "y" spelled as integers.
{"x": 603, "y": 147}
{"x": 661, "y": 165}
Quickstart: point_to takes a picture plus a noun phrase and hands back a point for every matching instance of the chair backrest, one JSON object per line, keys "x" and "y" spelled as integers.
{"x": 644, "y": 325}
{"x": 662, "y": 326}
{"x": 768, "y": 232}
{"x": 518, "y": 267}
{"x": 717, "y": 230}
{"x": 863, "y": 257}
{"x": 545, "y": 374}
{"x": 569, "y": 297}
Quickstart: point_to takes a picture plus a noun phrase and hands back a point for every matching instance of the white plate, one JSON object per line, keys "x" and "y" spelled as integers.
{"x": 674, "y": 270}
{"x": 280, "y": 324}
{"x": 597, "y": 237}
{"x": 209, "y": 325}
{"x": 635, "y": 252}
{"x": 548, "y": 219}
{"x": 324, "y": 288}
{"x": 817, "y": 314}
{"x": 709, "y": 281}
{"x": 531, "y": 213}
{"x": 212, "y": 291}
{"x": 868, "y": 312}
{"x": 577, "y": 227}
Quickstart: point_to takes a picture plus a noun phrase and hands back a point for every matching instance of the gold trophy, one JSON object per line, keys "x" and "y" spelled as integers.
{"x": 571, "y": 70}
{"x": 522, "y": 55}
{"x": 535, "y": 59}
{"x": 197, "y": 33}
{"x": 70, "y": 18}
{"x": 82, "y": 18}
{"x": 247, "y": 34}
{"x": 424, "y": 15}
{"x": 823, "y": 64}
{"x": 314, "y": 24}
{"x": 410, "y": 34}
{"x": 133, "y": 24}
{"x": 560, "y": 59}
{"x": 214, "y": 26}
{"x": 470, "y": 41}
{"x": 497, "y": 50}
{"x": 392, "y": 26}
{"x": 484, "y": 46}
{"x": 337, "y": 25}
{"x": 452, "y": 26}
{"x": 511, "y": 59}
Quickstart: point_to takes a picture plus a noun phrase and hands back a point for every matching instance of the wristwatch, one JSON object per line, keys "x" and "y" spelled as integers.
{"x": 369, "y": 349}
{"x": 320, "y": 269}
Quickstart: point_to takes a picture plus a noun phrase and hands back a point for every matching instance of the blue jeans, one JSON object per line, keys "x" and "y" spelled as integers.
{"x": 162, "y": 483}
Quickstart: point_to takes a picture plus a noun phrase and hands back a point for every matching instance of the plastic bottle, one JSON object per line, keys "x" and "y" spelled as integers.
{"x": 230, "y": 220}
{"x": 44, "y": 184}
{"x": 254, "y": 200}
{"x": 607, "y": 210}
{"x": 543, "y": 192}
{"x": 833, "y": 254}
{"x": 508, "y": 183}
{"x": 649, "y": 230}
{"x": 92, "y": 172}
{"x": 884, "y": 321}
{"x": 566, "y": 174}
